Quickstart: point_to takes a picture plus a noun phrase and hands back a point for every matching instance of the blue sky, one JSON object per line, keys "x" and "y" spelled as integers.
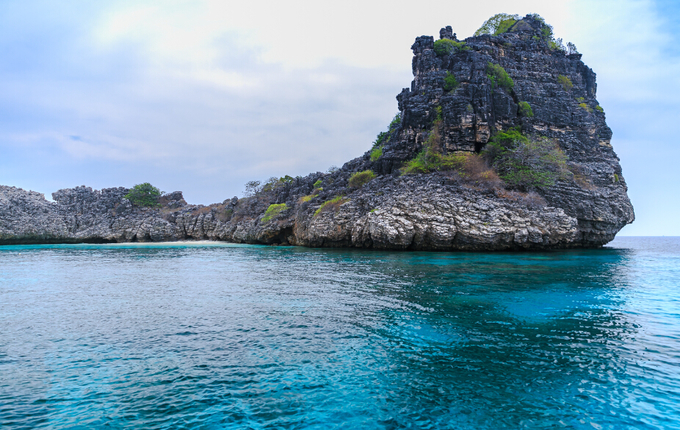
{"x": 204, "y": 95}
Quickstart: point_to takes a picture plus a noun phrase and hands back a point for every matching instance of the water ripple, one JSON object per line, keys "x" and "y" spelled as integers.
{"x": 213, "y": 336}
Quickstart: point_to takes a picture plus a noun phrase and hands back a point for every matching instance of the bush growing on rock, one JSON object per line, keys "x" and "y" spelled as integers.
{"x": 565, "y": 82}
{"x": 384, "y": 136}
{"x": 525, "y": 109}
{"x": 525, "y": 163}
{"x": 359, "y": 179}
{"x": 443, "y": 47}
{"x": 571, "y": 49}
{"x": 315, "y": 193}
{"x": 331, "y": 204}
{"x": 499, "y": 77}
{"x": 497, "y": 24}
{"x": 252, "y": 188}
{"x": 376, "y": 153}
{"x": 450, "y": 82}
{"x": 274, "y": 183}
{"x": 395, "y": 121}
{"x": 144, "y": 195}
{"x": 273, "y": 210}
{"x": 271, "y": 184}
{"x": 467, "y": 166}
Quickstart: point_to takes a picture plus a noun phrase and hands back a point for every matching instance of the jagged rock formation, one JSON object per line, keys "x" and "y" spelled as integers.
{"x": 435, "y": 211}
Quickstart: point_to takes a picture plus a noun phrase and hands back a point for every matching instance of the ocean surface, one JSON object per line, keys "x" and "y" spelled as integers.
{"x": 219, "y": 336}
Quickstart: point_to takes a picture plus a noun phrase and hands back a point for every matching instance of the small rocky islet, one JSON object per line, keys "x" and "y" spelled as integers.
{"x": 499, "y": 144}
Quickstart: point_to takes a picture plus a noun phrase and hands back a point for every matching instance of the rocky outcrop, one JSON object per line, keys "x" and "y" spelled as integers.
{"x": 433, "y": 211}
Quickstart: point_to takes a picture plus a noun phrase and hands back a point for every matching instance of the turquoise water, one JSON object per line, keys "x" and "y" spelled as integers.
{"x": 215, "y": 336}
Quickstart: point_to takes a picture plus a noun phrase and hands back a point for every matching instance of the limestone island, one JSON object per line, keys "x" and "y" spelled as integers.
{"x": 499, "y": 144}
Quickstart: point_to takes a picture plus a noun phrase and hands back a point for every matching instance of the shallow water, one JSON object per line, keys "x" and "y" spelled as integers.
{"x": 219, "y": 336}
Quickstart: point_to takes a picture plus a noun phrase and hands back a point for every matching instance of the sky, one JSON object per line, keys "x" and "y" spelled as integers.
{"x": 204, "y": 95}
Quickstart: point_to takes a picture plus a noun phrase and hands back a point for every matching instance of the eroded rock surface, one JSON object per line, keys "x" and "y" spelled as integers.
{"x": 435, "y": 211}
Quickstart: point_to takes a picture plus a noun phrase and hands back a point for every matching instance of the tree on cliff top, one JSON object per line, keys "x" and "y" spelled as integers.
{"x": 143, "y": 195}
{"x": 497, "y": 24}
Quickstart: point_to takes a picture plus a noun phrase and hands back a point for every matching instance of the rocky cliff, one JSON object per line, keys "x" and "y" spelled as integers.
{"x": 455, "y": 105}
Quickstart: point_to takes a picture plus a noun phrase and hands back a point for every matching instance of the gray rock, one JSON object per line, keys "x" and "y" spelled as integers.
{"x": 435, "y": 211}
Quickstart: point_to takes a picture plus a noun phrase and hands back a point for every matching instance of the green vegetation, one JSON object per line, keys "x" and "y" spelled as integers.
{"x": 525, "y": 109}
{"x": 428, "y": 161}
{"x": 331, "y": 204}
{"x": 252, "y": 188}
{"x": 469, "y": 108}
{"x": 450, "y": 82}
{"x": 318, "y": 183}
{"x": 272, "y": 211}
{"x": 443, "y": 47}
{"x": 499, "y": 77}
{"x": 467, "y": 165}
{"x": 274, "y": 183}
{"x": 255, "y": 187}
{"x": 571, "y": 48}
{"x": 497, "y": 24}
{"x": 526, "y": 164}
{"x": 384, "y": 136}
{"x": 565, "y": 82}
{"x": 395, "y": 121}
{"x": 586, "y": 107}
{"x": 464, "y": 165}
{"x": 470, "y": 167}
{"x": 616, "y": 177}
{"x": 315, "y": 192}
{"x": 548, "y": 36}
{"x": 359, "y": 179}
{"x": 503, "y": 22}
{"x": 599, "y": 108}
{"x": 376, "y": 153}
{"x": 144, "y": 195}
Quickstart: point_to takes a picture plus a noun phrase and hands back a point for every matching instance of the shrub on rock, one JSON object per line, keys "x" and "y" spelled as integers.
{"x": 443, "y": 47}
{"x": 333, "y": 204}
{"x": 359, "y": 179}
{"x": 525, "y": 109}
{"x": 525, "y": 163}
{"x": 376, "y": 153}
{"x": 565, "y": 82}
{"x": 499, "y": 77}
{"x": 144, "y": 195}
{"x": 273, "y": 210}
{"x": 450, "y": 82}
{"x": 497, "y": 24}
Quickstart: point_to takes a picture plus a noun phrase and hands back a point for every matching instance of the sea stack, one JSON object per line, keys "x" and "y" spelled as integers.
{"x": 499, "y": 144}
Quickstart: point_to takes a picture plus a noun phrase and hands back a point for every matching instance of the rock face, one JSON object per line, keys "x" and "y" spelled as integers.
{"x": 433, "y": 211}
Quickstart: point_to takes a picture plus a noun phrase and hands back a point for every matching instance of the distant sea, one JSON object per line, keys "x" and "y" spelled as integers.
{"x": 221, "y": 336}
